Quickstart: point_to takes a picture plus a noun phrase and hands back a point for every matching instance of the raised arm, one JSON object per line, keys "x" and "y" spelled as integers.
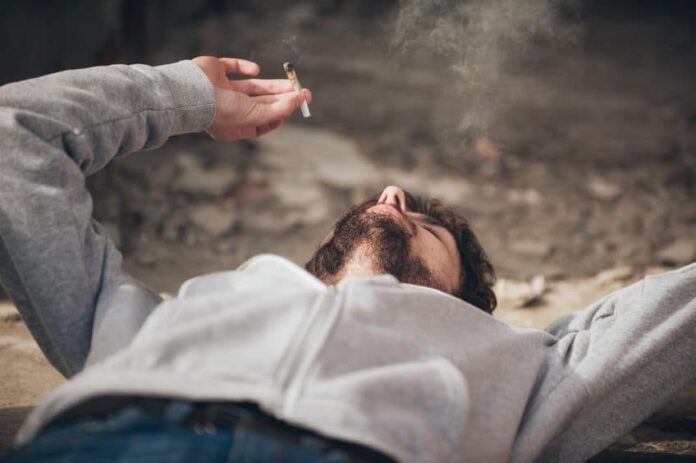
{"x": 613, "y": 365}
{"x": 57, "y": 265}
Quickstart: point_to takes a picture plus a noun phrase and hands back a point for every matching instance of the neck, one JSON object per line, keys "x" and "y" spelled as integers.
{"x": 360, "y": 264}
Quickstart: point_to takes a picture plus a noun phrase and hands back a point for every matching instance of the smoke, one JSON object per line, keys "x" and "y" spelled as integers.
{"x": 483, "y": 39}
{"x": 291, "y": 43}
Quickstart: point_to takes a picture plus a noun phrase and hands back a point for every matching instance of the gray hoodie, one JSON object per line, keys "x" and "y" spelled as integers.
{"x": 404, "y": 369}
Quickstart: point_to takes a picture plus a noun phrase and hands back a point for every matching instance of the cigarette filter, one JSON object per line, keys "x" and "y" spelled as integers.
{"x": 292, "y": 76}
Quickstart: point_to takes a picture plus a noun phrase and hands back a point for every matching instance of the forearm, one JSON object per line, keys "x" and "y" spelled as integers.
{"x": 54, "y": 261}
{"x": 95, "y": 114}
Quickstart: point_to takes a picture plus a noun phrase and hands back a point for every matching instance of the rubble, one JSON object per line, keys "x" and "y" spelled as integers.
{"x": 526, "y": 196}
{"x": 520, "y": 293}
{"x": 213, "y": 220}
{"x": 616, "y": 274}
{"x": 193, "y": 178}
{"x": 447, "y": 188}
{"x": 680, "y": 252}
{"x": 319, "y": 156}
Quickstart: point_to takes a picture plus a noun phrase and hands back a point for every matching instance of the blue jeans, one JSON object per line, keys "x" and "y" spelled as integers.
{"x": 133, "y": 436}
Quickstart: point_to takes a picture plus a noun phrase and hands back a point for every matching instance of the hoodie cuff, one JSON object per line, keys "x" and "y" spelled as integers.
{"x": 192, "y": 97}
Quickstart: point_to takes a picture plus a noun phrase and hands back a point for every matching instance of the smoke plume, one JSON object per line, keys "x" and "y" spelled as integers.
{"x": 483, "y": 39}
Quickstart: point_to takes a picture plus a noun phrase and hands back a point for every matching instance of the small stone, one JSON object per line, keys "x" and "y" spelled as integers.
{"x": 603, "y": 190}
{"x": 213, "y": 220}
{"x": 521, "y": 293}
{"x": 680, "y": 252}
{"x": 616, "y": 274}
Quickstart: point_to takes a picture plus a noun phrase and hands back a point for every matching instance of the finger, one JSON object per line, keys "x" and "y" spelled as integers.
{"x": 277, "y": 107}
{"x": 253, "y": 87}
{"x": 240, "y": 66}
{"x": 307, "y": 95}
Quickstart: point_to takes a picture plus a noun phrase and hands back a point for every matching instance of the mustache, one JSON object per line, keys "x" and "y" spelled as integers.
{"x": 362, "y": 225}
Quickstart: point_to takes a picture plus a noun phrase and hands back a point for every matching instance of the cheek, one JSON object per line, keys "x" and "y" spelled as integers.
{"x": 434, "y": 254}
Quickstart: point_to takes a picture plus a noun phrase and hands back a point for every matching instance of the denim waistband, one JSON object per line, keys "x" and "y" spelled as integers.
{"x": 207, "y": 417}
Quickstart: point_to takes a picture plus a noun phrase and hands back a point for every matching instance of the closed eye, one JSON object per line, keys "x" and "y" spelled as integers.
{"x": 432, "y": 232}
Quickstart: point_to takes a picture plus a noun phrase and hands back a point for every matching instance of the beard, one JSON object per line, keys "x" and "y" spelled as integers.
{"x": 385, "y": 241}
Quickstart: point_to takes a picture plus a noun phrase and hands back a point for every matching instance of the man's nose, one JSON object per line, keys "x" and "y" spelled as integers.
{"x": 394, "y": 196}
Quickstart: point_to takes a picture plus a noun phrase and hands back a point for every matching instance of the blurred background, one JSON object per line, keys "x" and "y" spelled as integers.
{"x": 564, "y": 130}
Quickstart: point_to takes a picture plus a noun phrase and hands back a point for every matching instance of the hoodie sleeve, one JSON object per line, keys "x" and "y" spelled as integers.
{"x": 613, "y": 365}
{"x": 56, "y": 263}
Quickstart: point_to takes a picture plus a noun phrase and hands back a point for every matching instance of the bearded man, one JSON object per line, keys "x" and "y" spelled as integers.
{"x": 382, "y": 349}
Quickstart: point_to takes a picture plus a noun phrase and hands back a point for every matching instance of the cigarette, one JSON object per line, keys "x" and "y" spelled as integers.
{"x": 292, "y": 76}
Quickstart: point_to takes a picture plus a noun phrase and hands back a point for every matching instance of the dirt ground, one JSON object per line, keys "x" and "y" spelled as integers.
{"x": 585, "y": 180}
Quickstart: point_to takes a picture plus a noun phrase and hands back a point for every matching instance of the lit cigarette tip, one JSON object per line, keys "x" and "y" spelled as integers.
{"x": 290, "y": 71}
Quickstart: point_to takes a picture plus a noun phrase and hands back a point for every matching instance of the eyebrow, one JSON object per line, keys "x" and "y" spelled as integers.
{"x": 425, "y": 218}
{"x": 432, "y": 230}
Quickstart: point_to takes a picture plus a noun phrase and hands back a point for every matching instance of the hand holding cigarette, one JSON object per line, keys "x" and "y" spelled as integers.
{"x": 250, "y": 107}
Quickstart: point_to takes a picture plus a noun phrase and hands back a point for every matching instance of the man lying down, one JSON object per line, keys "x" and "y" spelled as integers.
{"x": 382, "y": 349}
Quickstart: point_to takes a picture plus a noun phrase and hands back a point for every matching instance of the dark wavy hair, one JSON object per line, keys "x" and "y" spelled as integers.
{"x": 477, "y": 273}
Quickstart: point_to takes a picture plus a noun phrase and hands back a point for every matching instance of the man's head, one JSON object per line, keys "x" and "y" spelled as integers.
{"x": 418, "y": 241}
